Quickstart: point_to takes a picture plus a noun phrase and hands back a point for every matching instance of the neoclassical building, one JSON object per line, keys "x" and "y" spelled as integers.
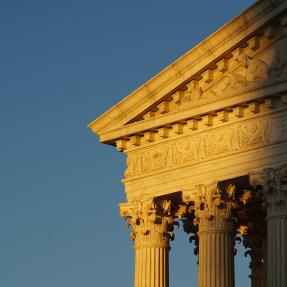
{"x": 206, "y": 145}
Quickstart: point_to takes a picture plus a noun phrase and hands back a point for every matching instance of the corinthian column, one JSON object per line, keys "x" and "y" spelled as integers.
{"x": 274, "y": 184}
{"x": 255, "y": 241}
{"x": 213, "y": 215}
{"x": 152, "y": 226}
{"x": 255, "y": 237}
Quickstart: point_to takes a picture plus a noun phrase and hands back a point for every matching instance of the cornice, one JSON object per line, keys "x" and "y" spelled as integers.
{"x": 240, "y": 99}
{"x": 196, "y": 60}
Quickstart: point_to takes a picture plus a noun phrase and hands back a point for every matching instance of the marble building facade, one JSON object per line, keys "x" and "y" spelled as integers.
{"x": 206, "y": 144}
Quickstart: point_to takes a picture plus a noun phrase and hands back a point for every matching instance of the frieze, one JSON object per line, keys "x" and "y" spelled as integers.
{"x": 200, "y": 148}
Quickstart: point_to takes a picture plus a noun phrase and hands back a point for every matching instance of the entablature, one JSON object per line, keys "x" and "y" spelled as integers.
{"x": 204, "y": 122}
{"x": 222, "y": 104}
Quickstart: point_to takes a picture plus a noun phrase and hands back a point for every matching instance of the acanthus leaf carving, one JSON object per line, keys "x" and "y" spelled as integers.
{"x": 152, "y": 222}
{"x": 213, "y": 207}
{"x": 273, "y": 184}
{"x": 210, "y": 209}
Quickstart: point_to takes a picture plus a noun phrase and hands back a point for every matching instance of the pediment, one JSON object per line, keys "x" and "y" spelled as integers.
{"x": 225, "y": 70}
{"x": 258, "y": 63}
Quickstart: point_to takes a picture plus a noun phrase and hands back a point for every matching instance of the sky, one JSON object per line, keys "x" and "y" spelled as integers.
{"x": 62, "y": 64}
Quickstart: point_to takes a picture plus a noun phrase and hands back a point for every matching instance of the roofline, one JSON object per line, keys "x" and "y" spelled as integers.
{"x": 203, "y": 49}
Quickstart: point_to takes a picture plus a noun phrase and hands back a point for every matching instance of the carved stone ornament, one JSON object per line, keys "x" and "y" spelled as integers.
{"x": 199, "y": 148}
{"x": 273, "y": 183}
{"x": 213, "y": 208}
{"x": 280, "y": 60}
{"x": 254, "y": 71}
{"x": 152, "y": 222}
{"x": 246, "y": 68}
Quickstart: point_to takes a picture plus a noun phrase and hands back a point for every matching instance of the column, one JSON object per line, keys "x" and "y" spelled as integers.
{"x": 152, "y": 226}
{"x": 255, "y": 238}
{"x": 274, "y": 184}
{"x": 213, "y": 214}
{"x": 255, "y": 241}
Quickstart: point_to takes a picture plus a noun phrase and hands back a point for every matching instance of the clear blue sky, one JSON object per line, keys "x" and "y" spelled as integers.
{"x": 63, "y": 63}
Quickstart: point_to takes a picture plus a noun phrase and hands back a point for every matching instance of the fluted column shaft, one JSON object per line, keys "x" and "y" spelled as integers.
{"x": 151, "y": 267}
{"x": 276, "y": 204}
{"x": 273, "y": 182}
{"x": 277, "y": 250}
{"x": 213, "y": 212}
{"x": 216, "y": 253}
{"x": 152, "y": 226}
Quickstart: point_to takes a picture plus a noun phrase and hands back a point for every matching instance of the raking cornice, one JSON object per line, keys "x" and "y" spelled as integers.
{"x": 182, "y": 70}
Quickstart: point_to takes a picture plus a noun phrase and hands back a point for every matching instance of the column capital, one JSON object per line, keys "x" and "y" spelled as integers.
{"x": 273, "y": 184}
{"x": 152, "y": 222}
{"x": 212, "y": 206}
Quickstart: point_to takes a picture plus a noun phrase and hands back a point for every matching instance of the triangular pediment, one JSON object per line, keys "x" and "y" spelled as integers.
{"x": 257, "y": 63}
{"x": 246, "y": 55}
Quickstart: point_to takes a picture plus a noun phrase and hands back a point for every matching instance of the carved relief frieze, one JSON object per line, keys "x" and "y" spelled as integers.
{"x": 199, "y": 148}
